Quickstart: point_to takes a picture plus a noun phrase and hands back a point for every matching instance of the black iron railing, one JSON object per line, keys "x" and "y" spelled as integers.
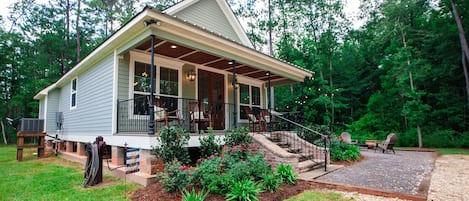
{"x": 299, "y": 139}
{"x": 133, "y": 115}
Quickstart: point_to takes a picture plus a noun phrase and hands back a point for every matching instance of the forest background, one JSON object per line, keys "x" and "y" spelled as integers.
{"x": 403, "y": 71}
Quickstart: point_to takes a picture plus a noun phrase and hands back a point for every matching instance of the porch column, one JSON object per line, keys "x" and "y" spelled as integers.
{"x": 235, "y": 115}
{"x": 151, "y": 109}
{"x": 269, "y": 88}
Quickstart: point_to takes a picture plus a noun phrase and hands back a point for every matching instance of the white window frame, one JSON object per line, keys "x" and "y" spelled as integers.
{"x": 159, "y": 62}
{"x": 250, "y": 99}
{"x": 74, "y": 92}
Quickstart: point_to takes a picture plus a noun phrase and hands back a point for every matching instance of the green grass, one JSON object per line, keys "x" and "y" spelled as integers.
{"x": 52, "y": 179}
{"x": 449, "y": 151}
{"x": 311, "y": 195}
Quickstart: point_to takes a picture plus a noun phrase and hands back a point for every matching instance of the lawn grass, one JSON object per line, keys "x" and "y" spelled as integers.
{"x": 311, "y": 195}
{"x": 52, "y": 178}
{"x": 452, "y": 151}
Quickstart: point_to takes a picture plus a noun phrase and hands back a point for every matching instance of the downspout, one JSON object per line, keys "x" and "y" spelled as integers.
{"x": 235, "y": 115}
{"x": 151, "y": 122}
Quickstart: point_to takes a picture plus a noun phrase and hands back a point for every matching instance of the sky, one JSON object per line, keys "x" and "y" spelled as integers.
{"x": 351, "y": 9}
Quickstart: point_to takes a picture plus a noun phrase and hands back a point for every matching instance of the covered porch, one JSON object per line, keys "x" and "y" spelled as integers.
{"x": 190, "y": 65}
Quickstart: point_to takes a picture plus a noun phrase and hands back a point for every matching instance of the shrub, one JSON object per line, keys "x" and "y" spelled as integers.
{"x": 286, "y": 173}
{"x": 341, "y": 151}
{"x": 208, "y": 145}
{"x": 271, "y": 182}
{"x": 172, "y": 142}
{"x": 244, "y": 190}
{"x": 193, "y": 196}
{"x": 175, "y": 176}
{"x": 238, "y": 136}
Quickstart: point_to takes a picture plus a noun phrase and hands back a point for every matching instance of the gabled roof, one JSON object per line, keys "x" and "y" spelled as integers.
{"x": 226, "y": 24}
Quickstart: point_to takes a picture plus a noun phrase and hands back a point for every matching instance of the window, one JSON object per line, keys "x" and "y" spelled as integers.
{"x": 73, "y": 94}
{"x": 249, "y": 96}
{"x": 168, "y": 87}
{"x": 141, "y": 87}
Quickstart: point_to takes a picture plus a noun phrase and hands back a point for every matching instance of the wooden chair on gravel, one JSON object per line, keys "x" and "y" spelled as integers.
{"x": 388, "y": 144}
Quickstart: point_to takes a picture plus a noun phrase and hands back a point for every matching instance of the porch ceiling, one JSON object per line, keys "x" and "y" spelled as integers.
{"x": 187, "y": 54}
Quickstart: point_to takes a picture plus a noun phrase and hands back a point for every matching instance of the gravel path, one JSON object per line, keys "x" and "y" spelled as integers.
{"x": 450, "y": 179}
{"x": 401, "y": 173}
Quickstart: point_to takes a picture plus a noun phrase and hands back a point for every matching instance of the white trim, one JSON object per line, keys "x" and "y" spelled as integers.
{"x": 234, "y": 22}
{"x": 114, "y": 92}
{"x": 72, "y": 107}
{"x": 46, "y": 98}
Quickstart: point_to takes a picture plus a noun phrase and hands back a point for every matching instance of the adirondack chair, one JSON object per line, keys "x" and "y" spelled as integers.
{"x": 253, "y": 120}
{"x": 162, "y": 115}
{"x": 388, "y": 144}
{"x": 345, "y": 137}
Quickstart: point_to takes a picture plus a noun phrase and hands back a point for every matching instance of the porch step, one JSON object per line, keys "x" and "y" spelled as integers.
{"x": 294, "y": 151}
{"x": 310, "y": 165}
{"x": 283, "y": 144}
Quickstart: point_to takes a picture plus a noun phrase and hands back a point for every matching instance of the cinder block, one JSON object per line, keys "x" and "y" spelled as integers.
{"x": 117, "y": 155}
{"x": 69, "y": 146}
{"x": 81, "y": 149}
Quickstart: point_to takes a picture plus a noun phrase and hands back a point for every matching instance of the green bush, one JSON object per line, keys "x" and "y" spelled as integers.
{"x": 286, "y": 173}
{"x": 271, "y": 182}
{"x": 172, "y": 142}
{"x": 175, "y": 176}
{"x": 244, "y": 190}
{"x": 193, "y": 196}
{"x": 238, "y": 136}
{"x": 341, "y": 151}
{"x": 209, "y": 145}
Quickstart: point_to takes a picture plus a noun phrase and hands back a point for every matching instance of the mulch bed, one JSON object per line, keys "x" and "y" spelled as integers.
{"x": 155, "y": 192}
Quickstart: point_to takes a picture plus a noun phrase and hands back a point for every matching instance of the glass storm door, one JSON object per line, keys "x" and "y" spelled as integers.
{"x": 211, "y": 88}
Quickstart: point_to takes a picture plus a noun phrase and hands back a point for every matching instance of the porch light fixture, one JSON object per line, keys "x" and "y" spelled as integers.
{"x": 190, "y": 75}
{"x": 174, "y": 46}
{"x": 151, "y": 21}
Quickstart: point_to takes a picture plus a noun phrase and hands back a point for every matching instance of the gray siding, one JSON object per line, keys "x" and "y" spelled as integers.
{"x": 123, "y": 78}
{"x": 207, "y": 14}
{"x": 93, "y": 114}
{"x": 52, "y": 107}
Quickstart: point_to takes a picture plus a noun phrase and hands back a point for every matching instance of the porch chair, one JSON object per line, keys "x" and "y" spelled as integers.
{"x": 265, "y": 118}
{"x": 253, "y": 120}
{"x": 163, "y": 115}
{"x": 198, "y": 115}
{"x": 388, "y": 144}
{"x": 347, "y": 138}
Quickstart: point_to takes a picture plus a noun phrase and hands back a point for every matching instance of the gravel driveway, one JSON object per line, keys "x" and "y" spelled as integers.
{"x": 401, "y": 173}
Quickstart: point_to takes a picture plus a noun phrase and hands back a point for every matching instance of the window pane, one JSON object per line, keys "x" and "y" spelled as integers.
{"x": 256, "y": 95}
{"x": 242, "y": 113}
{"x": 244, "y": 94}
{"x": 74, "y": 99}
{"x": 142, "y": 77}
{"x": 140, "y": 104}
{"x": 74, "y": 85}
{"x": 169, "y": 81}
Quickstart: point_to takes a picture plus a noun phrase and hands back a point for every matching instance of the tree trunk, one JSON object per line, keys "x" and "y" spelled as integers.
{"x": 3, "y": 132}
{"x": 463, "y": 41}
{"x": 77, "y": 28}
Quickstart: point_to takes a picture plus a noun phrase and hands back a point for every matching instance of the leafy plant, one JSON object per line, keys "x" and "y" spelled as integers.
{"x": 175, "y": 176}
{"x": 244, "y": 190}
{"x": 341, "y": 151}
{"x": 172, "y": 142}
{"x": 209, "y": 145}
{"x": 194, "y": 196}
{"x": 286, "y": 173}
{"x": 238, "y": 136}
{"x": 271, "y": 182}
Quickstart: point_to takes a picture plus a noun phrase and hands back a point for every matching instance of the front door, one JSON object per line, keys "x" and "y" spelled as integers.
{"x": 211, "y": 88}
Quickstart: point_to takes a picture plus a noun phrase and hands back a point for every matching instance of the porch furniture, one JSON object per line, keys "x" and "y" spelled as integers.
{"x": 345, "y": 137}
{"x": 163, "y": 115}
{"x": 253, "y": 120}
{"x": 371, "y": 144}
{"x": 388, "y": 144}
{"x": 265, "y": 118}
{"x": 198, "y": 115}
